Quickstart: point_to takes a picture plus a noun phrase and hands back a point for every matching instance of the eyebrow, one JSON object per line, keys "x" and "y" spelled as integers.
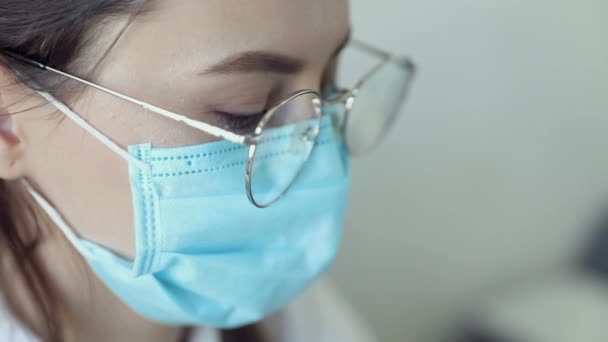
{"x": 263, "y": 61}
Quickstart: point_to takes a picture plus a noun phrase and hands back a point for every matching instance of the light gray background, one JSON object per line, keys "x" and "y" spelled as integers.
{"x": 497, "y": 165}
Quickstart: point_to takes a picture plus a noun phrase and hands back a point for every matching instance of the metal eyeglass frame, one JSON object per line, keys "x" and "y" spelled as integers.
{"x": 347, "y": 97}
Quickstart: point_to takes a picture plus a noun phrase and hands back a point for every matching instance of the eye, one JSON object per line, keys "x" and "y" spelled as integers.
{"x": 238, "y": 122}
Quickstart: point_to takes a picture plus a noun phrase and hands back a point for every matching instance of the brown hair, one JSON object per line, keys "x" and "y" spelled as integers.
{"x": 53, "y": 33}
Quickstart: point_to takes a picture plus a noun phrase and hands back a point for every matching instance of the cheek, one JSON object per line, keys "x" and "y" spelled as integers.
{"x": 85, "y": 181}
{"x": 129, "y": 124}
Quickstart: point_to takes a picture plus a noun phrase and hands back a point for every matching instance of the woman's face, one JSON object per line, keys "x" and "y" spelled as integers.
{"x": 217, "y": 61}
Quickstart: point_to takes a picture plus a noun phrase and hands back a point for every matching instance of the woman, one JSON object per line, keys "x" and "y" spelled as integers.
{"x": 200, "y": 181}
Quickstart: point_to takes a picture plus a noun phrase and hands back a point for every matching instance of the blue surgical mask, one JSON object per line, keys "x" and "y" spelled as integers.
{"x": 204, "y": 254}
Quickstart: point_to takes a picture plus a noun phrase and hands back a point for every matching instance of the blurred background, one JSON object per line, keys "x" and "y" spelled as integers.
{"x": 491, "y": 184}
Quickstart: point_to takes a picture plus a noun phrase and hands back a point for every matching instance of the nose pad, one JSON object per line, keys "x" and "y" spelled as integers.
{"x": 300, "y": 137}
{"x": 308, "y": 135}
{"x": 337, "y": 114}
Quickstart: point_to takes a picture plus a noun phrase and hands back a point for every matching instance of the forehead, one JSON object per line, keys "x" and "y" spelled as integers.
{"x": 185, "y": 35}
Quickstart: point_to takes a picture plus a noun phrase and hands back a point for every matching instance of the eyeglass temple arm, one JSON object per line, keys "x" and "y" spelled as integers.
{"x": 405, "y": 61}
{"x": 203, "y": 126}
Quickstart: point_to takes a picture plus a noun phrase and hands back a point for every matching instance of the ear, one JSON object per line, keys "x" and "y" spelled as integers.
{"x": 11, "y": 142}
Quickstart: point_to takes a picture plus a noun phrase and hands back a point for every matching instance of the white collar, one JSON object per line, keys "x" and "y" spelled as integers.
{"x": 205, "y": 335}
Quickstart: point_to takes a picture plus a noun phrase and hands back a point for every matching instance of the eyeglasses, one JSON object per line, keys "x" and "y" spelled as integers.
{"x": 379, "y": 94}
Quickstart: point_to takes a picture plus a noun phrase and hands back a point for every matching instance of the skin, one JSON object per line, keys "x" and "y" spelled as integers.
{"x": 158, "y": 60}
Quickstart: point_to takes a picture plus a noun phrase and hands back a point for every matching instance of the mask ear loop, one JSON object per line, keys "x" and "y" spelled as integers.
{"x": 55, "y": 217}
{"x": 94, "y": 132}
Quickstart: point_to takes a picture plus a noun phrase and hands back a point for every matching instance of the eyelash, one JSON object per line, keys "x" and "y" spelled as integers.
{"x": 239, "y": 123}
{"x": 245, "y": 123}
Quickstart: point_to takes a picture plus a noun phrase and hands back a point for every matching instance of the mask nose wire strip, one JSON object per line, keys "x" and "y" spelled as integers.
{"x": 55, "y": 216}
{"x": 94, "y": 132}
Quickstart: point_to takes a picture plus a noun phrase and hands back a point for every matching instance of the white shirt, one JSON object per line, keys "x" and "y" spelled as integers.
{"x": 320, "y": 314}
